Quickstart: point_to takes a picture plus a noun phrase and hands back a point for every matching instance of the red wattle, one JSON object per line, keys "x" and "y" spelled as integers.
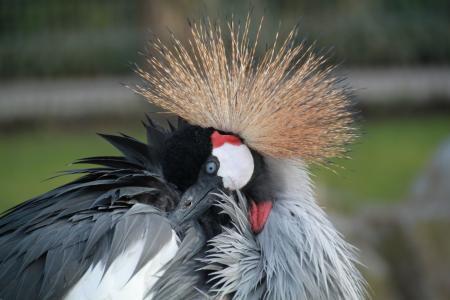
{"x": 258, "y": 214}
{"x": 218, "y": 139}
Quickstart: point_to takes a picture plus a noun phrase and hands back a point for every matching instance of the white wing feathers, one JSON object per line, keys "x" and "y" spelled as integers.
{"x": 118, "y": 282}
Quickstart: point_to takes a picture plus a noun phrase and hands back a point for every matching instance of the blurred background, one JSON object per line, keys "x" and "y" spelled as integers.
{"x": 64, "y": 64}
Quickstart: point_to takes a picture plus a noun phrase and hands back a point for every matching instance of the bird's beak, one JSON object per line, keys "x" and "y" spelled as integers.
{"x": 196, "y": 200}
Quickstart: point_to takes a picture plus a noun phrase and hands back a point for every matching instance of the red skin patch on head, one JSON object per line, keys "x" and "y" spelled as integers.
{"x": 218, "y": 139}
{"x": 258, "y": 215}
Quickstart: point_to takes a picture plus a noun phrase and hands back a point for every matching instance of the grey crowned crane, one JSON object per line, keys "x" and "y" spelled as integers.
{"x": 220, "y": 206}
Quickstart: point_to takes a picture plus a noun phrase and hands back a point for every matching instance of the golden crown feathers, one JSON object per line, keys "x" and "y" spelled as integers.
{"x": 286, "y": 104}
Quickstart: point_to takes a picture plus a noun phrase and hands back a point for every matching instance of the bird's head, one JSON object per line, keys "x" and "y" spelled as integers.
{"x": 203, "y": 162}
{"x": 285, "y": 104}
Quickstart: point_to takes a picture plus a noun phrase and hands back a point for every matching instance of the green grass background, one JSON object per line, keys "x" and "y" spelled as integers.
{"x": 385, "y": 160}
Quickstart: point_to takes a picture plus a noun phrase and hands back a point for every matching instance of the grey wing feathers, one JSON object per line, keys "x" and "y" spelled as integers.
{"x": 48, "y": 242}
{"x": 46, "y": 263}
{"x": 182, "y": 278}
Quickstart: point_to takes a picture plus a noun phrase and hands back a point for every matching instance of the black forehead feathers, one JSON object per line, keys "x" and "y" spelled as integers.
{"x": 185, "y": 152}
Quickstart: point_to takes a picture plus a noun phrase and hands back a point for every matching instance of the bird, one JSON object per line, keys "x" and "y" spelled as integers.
{"x": 220, "y": 205}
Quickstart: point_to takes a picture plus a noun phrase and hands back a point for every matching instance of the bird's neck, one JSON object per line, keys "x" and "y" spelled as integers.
{"x": 298, "y": 254}
{"x": 304, "y": 255}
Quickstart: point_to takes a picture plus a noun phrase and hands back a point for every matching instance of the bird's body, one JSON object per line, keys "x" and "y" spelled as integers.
{"x": 102, "y": 232}
{"x": 220, "y": 206}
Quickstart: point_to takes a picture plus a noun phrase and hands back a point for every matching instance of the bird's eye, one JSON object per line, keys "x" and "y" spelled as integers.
{"x": 211, "y": 167}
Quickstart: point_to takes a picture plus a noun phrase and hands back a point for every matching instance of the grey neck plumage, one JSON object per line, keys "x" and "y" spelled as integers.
{"x": 298, "y": 255}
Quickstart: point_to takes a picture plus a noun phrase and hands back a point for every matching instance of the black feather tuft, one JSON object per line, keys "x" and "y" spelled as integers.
{"x": 186, "y": 151}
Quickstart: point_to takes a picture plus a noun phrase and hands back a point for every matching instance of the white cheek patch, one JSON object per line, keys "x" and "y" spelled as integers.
{"x": 236, "y": 165}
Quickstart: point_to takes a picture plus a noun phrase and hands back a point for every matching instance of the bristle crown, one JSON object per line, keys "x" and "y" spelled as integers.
{"x": 286, "y": 105}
